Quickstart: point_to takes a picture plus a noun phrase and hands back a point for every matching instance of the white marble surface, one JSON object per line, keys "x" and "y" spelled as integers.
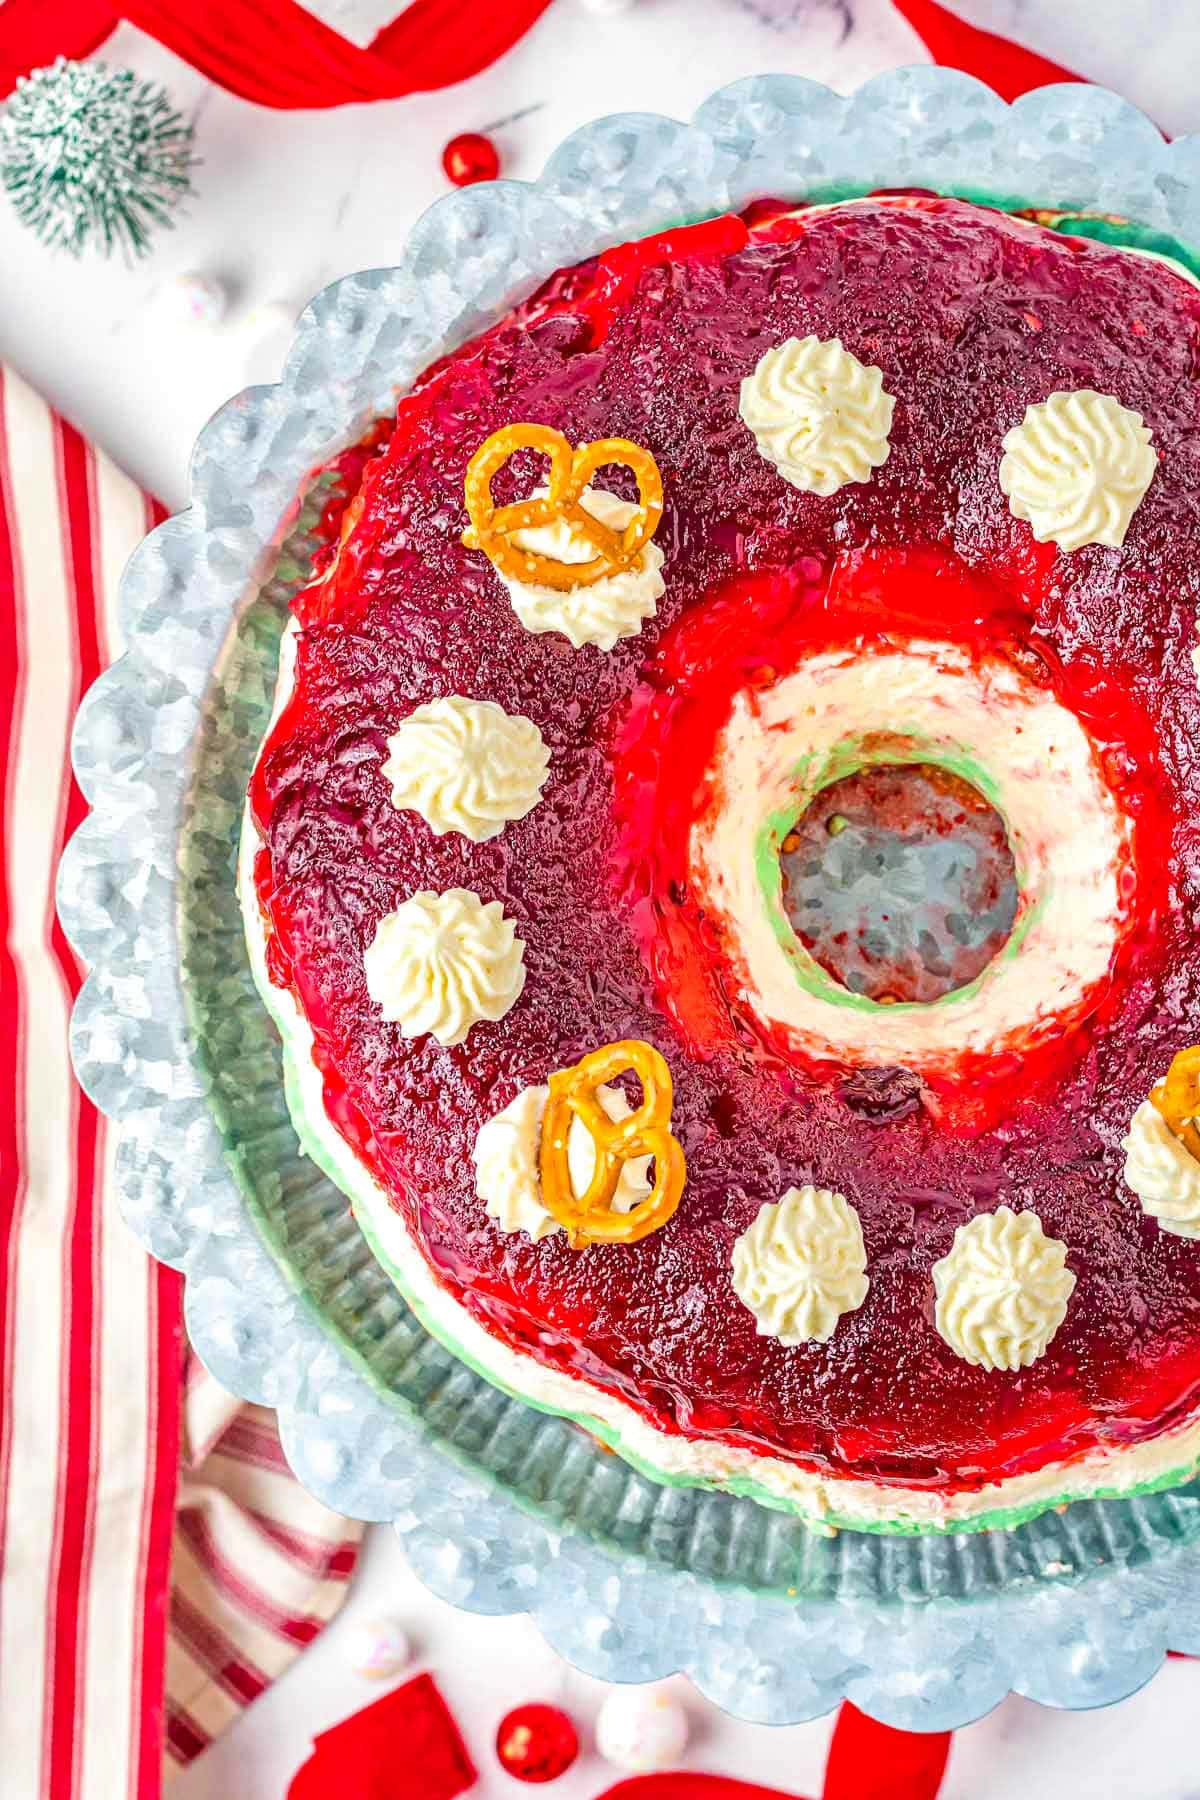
{"x": 287, "y": 202}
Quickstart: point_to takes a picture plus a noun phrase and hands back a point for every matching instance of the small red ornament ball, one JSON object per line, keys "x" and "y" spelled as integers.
{"x": 471, "y": 157}
{"x": 536, "y": 1742}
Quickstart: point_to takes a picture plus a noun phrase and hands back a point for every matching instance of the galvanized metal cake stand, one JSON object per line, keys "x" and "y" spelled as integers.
{"x": 501, "y": 1508}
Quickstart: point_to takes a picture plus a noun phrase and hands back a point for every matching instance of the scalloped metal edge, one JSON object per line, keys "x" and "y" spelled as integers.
{"x": 138, "y": 740}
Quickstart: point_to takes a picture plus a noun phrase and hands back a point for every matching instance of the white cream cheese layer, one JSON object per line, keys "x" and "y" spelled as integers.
{"x": 617, "y": 606}
{"x": 507, "y": 1153}
{"x": 444, "y": 962}
{"x": 801, "y": 1265}
{"x": 466, "y": 766}
{"x": 1162, "y": 1172}
{"x": 1002, "y": 1290}
{"x": 923, "y": 702}
{"x": 1077, "y": 468}
{"x": 817, "y": 414}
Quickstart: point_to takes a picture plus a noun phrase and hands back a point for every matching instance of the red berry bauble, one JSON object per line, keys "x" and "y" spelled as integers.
{"x": 536, "y": 1742}
{"x": 471, "y": 157}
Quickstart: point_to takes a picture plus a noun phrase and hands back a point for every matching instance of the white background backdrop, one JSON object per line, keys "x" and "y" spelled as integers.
{"x": 289, "y": 201}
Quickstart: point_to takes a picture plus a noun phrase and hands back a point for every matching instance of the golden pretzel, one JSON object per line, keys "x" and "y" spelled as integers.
{"x": 589, "y": 1218}
{"x": 493, "y": 528}
{"x": 1177, "y": 1098}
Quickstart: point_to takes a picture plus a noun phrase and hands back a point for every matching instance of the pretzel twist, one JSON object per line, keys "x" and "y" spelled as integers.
{"x": 1177, "y": 1098}
{"x": 589, "y": 1218}
{"x": 493, "y": 528}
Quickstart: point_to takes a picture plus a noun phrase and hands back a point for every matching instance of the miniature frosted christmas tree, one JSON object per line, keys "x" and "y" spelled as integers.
{"x": 93, "y": 157}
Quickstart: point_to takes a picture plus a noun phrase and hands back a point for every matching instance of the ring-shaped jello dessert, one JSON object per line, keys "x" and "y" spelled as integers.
{"x": 514, "y": 861}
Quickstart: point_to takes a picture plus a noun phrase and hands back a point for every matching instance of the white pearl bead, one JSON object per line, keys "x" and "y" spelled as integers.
{"x": 379, "y": 1648}
{"x": 641, "y": 1728}
{"x": 199, "y": 299}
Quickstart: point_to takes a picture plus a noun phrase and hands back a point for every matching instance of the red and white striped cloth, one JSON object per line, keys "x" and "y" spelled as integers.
{"x": 91, "y": 1346}
{"x": 259, "y": 1565}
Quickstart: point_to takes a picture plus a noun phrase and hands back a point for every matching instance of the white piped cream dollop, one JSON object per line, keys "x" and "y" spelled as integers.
{"x": 506, "y": 1158}
{"x": 801, "y": 1265}
{"x": 467, "y": 766}
{"x": 1162, "y": 1172}
{"x": 818, "y": 414}
{"x": 617, "y": 606}
{"x": 1002, "y": 1291}
{"x": 443, "y": 962}
{"x": 1077, "y": 467}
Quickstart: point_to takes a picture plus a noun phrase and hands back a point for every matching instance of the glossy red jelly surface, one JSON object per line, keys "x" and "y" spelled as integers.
{"x": 972, "y": 317}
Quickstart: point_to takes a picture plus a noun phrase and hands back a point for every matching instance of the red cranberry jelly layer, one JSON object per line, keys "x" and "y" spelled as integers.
{"x": 972, "y": 317}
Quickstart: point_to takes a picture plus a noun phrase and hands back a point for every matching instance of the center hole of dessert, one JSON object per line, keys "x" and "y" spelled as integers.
{"x": 899, "y": 880}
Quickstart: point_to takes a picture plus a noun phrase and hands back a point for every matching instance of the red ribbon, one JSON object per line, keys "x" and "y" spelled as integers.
{"x": 403, "y": 1747}
{"x": 1006, "y": 67}
{"x": 276, "y": 53}
{"x": 867, "y": 1761}
{"x": 691, "y": 1787}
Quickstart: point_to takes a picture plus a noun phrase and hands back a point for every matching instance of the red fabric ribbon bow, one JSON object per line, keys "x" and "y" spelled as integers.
{"x": 867, "y": 1761}
{"x": 277, "y": 53}
{"x": 405, "y": 1746}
